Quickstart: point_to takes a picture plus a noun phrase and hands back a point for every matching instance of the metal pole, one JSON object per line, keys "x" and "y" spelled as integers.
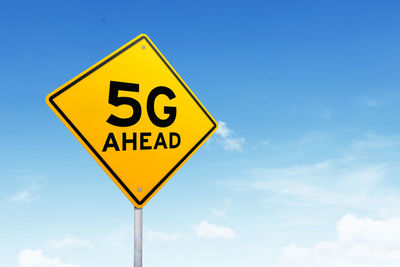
{"x": 138, "y": 237}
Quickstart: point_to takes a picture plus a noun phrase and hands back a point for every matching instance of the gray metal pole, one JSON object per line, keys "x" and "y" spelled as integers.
{"x": 138, "y": 237}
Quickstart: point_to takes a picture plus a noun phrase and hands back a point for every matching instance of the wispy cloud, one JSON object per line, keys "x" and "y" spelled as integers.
{"x": 360, "y": 242}
{"x": 120, "y": 237}
{"x": 266, "y": 143}
{"x": 227, "y": 201}
{"x": 368, "y": 102}
{"x": 30, "y": 187}
{"x": 227, "y": 138}
{"x": 35, "y": 258}
{"x": 222, "y": 211}
{"x": 23, "y": 196}
{"x": 207, "y": 230}
{"x": 202, "y": 230}
{"x": 68, "y": 242}
{"x": 219, "y": 213}
{"x": 373, "y": 141}
{"x": 360, "y": 179}
{"x": 29, "y": 194}
{"x": 163, "y": 236}
{"x": 341, "y": 183}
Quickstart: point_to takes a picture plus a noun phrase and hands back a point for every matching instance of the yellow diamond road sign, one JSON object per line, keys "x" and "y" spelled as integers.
{"x": 135, "y": 116}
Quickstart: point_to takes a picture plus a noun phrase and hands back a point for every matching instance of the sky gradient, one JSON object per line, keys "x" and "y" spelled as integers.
{"x": 304, "y": 170}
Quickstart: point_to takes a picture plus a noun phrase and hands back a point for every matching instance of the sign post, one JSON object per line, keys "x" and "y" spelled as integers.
{"x": 138, "y": 243}
{"x": 137, "y": 118}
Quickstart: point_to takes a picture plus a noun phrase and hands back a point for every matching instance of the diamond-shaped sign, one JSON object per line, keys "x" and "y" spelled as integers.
{"x": 135, "y": 116}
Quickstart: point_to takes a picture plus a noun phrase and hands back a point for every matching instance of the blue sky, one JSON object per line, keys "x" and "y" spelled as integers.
{"x": 303, "y": 171}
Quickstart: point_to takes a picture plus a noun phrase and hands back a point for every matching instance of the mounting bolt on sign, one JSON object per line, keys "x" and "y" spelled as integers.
{"x": 137, "y": 118}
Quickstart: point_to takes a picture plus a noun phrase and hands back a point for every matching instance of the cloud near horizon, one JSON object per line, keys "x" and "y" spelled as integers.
{"x": 68, "y": 242}
{"x": 361, "y": 242}
{"x": 35, "y": 258}
{"x": 207, "y": 230}
{"x": 163, "y": 236}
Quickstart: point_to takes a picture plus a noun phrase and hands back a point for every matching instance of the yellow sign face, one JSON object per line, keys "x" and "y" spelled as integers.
{"x": 135, "y": 116}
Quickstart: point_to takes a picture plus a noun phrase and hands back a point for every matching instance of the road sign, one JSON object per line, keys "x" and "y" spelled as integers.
{"x": 135, "y": 116}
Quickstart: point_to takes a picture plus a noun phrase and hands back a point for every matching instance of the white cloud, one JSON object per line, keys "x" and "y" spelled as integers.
{"x": 28, "y": 194}
{"x": 227, "y": 138}
{"x": 158, "y": 235}
{"x": 35, "y": 258}
{"x": 219, "y": 213}
{"x": 266, "y": 143}
{"x": 341, "y": 183}
{"x": 121, "y": 237}
{"x": 361, "y": 242}
{"x": 361, "y": 180}
{"x": 369, "y": 102}
{"x": 207, "y": 230}
{"x": 227, "y": 201}
{"x": 373, "y": 141}
{"x": 23, "y": 196}
{"x": 68, "y": 242}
